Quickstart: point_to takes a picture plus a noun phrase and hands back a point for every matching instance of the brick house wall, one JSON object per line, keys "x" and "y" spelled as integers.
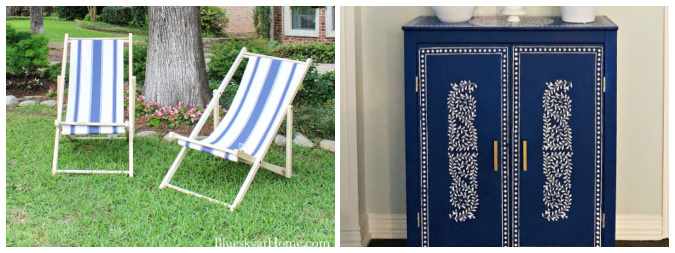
{"x": 283, "y": 39}
{"x": 241, "y": 20}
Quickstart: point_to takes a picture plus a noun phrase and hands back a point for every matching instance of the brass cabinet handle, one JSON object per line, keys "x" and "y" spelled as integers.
{"x": 496, "y": 160}
{"x": 524, "y": 155}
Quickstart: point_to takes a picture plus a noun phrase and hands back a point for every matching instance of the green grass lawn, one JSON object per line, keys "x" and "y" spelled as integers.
{"x": 115, "y": 210}
{"x": 56, "y": 29}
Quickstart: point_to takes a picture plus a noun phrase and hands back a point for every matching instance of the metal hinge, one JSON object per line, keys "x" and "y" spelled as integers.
{"x": 418, "y": 219}
{"x": 603, "y": 84}
{"x": 417, "y": 89}
{"x": 603, "y": 220}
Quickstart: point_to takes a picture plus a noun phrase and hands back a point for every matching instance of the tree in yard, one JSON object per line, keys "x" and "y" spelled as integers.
{"x": 92, "y": 13}
{"x": 175, "y": 67}
{"x": 36, "y": 23}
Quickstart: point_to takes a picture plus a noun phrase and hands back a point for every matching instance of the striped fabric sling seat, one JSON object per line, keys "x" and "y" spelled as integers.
{"x": 267, "y": 86}
{"x": 265, "y": 93}
{"x": 96, "y": 95}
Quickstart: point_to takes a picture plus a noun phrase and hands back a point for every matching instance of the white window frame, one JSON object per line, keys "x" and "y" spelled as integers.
{"x": 288, "y": 28}
{"x": 330, "y": 27}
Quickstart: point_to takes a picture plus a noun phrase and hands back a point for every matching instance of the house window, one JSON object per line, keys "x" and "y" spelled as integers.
{"x": 301, "y": 21}
{"x": 303, "y": 18}
{"x": 330, "y": 21}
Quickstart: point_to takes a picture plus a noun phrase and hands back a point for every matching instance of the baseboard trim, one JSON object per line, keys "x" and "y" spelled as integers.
{"x": 350, "y": 238}
{"x": 639, "y": 227}
{"x": 629, "y": 227}
{"x": 385, "y": 226}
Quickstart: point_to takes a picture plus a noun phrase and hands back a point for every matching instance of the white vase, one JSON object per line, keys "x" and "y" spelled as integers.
{"x": 578, "y": 14}
{"x": 513, "y": 13}
{"x": 454, "y": 14}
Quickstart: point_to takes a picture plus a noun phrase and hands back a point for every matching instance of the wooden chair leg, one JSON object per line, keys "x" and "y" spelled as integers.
{"x": 244, "y": 187}
{"x": 57, "y": 139}
{"x": 289, "y": 141}
{"x": 216, "y": 111}
{"x": 131, "y": 154}
{"x": 173, "y": 168}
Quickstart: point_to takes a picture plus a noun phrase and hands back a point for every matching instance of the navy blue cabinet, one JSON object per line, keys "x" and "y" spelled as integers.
{"x": 510, "y": 132}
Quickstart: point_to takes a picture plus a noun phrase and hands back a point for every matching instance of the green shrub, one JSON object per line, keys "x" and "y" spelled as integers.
{"x": 12, "y": 36}
{"x": 261, "y": 21}
{"x": 315, "y": 122}
{"x": 224, "y": 54}
{"x": 214, "y": 20}
{"x": 48, "y": 11}
{"x": 88, "y": 18}
{"x": 54, "y": 70}
{"x": 71, "y": 12}
{"x": 25, "y": 52}
{"x": 319, "y": 53}
{"x": 117, "y": 15}
{"x": 140, "y": 16}
{"x": 140, "y": 55}
{"x": 228, "y": 94}
{"x": 317, "y": 88}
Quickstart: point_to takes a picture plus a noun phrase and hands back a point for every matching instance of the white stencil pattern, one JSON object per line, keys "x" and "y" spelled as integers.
{"x": 557, "y": 149}
{"x": 463, "y": 151}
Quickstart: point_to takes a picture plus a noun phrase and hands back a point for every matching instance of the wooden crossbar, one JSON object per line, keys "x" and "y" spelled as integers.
{"x": 126, "y": 124}
{"x": 208, "y": 145}
{"x": 249, "y": 54}
{"x": 125, "y": 39}
{"x": 98, "y": 138}
{"x": 198, "y": 195}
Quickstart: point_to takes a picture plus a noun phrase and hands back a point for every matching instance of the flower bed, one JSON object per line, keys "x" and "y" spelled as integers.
{"x": 173, "y": 115}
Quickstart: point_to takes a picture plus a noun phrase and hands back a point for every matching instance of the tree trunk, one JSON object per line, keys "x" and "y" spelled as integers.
{"x": 36, "y": 24}
{"x": 175, "y": 68}
{"x": 92, "y": 13}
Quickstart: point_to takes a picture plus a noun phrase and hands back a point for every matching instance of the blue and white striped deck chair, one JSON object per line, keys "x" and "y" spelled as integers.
{"x": 265, "y": 93}
{"x": 96, "y": 95}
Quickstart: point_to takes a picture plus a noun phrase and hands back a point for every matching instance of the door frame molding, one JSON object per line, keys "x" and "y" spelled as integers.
{"x": 664, "y": 203}
{"x": 348, "y": 192}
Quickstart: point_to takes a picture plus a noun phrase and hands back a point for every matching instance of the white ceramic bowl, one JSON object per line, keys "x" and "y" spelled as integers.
{"x": 454, "y": 14}
{"x": 578, "y": 14}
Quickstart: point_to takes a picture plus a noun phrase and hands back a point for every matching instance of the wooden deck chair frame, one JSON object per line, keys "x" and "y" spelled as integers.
{"x": 256, "y": 162}
{"x": 129, "y": 125}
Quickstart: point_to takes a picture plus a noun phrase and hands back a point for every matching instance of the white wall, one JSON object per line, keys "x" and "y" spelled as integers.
{"x": 380, "y": 107}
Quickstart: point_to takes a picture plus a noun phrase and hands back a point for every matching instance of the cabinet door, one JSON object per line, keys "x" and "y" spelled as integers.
{"x": 557, "y": 139}
{"x": 463, "y": 145}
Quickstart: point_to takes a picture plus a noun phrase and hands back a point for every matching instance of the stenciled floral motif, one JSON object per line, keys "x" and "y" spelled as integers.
{"x": 557, "y": 149}
{"x": 463, "y": 151}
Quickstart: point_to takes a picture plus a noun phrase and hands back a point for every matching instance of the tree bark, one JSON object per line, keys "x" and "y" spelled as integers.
{"x": 175, "y": 67}
{"x": 37, "y": 25}
{"x": 92, "y": 13}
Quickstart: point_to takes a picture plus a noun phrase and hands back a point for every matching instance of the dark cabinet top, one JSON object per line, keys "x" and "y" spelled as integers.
{"x": 423, "y": 23}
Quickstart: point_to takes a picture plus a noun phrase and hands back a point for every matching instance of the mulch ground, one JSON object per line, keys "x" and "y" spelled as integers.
{"x": 163, "y": 127}
{"x": 19, "y": 93}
